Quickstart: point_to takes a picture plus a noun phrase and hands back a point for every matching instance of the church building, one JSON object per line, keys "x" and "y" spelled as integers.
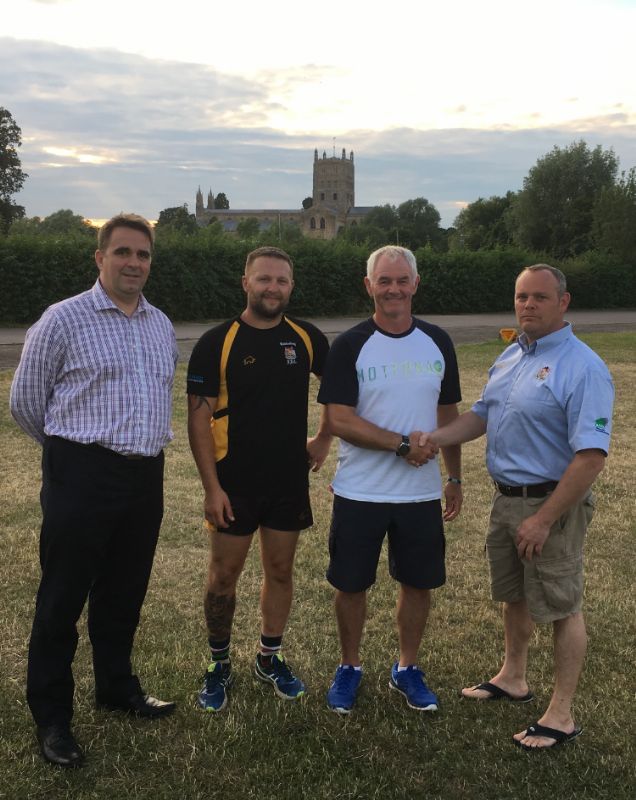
{"x": 333, "y": 203}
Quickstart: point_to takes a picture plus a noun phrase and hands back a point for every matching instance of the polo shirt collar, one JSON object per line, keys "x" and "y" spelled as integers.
{"x": 545, "y": 342}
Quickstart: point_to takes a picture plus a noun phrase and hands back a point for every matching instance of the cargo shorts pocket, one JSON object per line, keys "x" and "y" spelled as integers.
{"x": 561, "y": 582}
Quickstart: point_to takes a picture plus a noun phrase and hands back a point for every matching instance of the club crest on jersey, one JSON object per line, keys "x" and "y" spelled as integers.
{"x": 248, "y": 361}
{"x": 290, "y": 354}
{"x": 543, "y": 373}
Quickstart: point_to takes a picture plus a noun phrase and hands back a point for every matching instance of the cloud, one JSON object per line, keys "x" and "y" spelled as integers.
{"x": 105, "y": 131}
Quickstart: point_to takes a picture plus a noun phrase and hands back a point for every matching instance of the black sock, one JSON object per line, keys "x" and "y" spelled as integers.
{"x": 269, "y": 646}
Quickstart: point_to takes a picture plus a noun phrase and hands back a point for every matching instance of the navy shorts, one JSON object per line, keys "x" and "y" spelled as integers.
{"x": 416, "y": 543}
{"x": 290, "y": 512}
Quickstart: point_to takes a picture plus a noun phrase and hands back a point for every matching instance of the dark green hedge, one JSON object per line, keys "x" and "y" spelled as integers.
{"x": 194, "y": 278}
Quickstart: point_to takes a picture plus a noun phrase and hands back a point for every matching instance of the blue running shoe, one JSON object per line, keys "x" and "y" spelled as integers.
{"x": 342, "y": 692}
{"x": 286, "y": 685}
{"x": 410, "y": 682}
{"x": 218, "y": 679}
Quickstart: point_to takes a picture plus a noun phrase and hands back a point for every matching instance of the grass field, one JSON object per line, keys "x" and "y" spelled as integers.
{"x": 263, "y": 747}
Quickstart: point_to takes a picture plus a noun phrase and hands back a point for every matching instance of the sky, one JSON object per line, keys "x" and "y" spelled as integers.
{"x": 132, "y": 105}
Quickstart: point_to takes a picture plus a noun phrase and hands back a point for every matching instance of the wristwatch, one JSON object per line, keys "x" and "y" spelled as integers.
{"x": 404, "y": 448}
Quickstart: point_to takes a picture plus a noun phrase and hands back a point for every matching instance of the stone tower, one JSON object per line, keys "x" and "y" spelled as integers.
{"x": 199, "y": 202}
{"x": 334, "y": 181}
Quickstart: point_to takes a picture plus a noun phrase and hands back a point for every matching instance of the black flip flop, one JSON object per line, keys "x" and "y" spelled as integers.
{"x": 497, "y": 693}
{"x": 560, "y": 737}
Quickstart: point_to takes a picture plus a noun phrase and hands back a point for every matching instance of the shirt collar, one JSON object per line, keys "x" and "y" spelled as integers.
{"x": 103, "y": 302}
{"x": 545, "y": 342}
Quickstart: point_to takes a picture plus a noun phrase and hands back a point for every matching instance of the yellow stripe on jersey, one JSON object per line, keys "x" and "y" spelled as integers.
{"x": 219, "y": 427}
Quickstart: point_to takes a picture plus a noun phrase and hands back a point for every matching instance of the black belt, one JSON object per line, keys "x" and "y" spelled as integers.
{"x": 104, "y": 450}
{"x": 534, "y": 490}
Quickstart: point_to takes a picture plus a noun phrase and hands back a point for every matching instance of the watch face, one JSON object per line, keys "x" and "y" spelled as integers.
{"x": 404, "y": 448}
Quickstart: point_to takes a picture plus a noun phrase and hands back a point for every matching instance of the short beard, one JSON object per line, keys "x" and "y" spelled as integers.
{"x": 258, "y": 308}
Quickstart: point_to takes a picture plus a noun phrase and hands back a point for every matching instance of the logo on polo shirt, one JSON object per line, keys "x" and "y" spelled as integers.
{"x": 543, "y": 373}
{"x": 601, "y": 425}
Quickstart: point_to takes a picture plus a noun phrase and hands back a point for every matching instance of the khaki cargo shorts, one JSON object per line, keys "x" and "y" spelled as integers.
{"x": 552, "y": 583}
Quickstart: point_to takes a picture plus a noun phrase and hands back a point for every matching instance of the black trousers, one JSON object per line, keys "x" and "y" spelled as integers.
{"x": 101, "y": 518}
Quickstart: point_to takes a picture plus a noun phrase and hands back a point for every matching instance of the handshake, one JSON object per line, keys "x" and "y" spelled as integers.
{"x": 423, "y": 449}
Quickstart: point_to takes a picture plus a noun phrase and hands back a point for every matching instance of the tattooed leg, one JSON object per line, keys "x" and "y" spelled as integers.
{"x": 219, "y": 614}
{"x": 227, "y": 557}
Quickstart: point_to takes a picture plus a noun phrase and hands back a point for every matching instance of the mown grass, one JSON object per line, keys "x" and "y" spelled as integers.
{"x": 263, "y": 747}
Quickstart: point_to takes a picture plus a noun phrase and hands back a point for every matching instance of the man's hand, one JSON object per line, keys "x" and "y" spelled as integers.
{"x": 531, "y": 536}
{"x": 217, "y": 509}
{"x": 423, "y": 449}
{"x": 453, "y": 499}
{"x": 318, "y": 450}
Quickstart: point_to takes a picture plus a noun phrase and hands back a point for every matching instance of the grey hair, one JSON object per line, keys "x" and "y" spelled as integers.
{"x": 393, "y": 252}
{"x": 558, "y": 275}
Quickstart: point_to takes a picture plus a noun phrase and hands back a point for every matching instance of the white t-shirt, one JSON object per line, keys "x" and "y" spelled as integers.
{"x": 395, "y": 381}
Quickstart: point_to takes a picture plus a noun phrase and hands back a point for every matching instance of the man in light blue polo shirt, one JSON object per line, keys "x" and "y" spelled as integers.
{"x": 546, "y": 411}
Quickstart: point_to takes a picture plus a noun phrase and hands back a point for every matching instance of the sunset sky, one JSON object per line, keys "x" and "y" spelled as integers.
{"x": 133, "y": 105}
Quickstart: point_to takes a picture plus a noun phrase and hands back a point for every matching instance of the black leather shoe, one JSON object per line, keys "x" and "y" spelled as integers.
{"x": 141, "y": 705}
{"x": 58, "y": 746}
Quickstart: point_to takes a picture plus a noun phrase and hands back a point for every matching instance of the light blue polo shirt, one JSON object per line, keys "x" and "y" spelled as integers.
{"x": 543, "y": 403}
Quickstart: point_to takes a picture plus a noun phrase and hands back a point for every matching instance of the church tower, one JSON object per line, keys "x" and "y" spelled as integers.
{"x": 334, "y": 181}
{"x": 199, "y": 204}
{"x": 210, "y": 200}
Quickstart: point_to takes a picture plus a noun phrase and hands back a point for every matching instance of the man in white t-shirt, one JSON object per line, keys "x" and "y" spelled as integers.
{"x": 386, "y": 379}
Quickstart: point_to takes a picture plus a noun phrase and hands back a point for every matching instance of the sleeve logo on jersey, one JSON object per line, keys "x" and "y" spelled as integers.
{"x": 601, "y": 425}
{"x": 248, "y": 361}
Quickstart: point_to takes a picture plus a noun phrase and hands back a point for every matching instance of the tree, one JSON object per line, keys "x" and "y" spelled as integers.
{"x": 221, "y": 201}
{"x": 362, "y": 233}
{"x": 377, "y": 228}
{"x": 282, "y": 233}
{"x": 248, "y": 228}
{"x": 64, "y": 222}
{"x": 177, "y": 218}
{"x": 418, "y": 224}
{"x": 483, "y": 225}
{"x": 308, "y": 202}
{"x": 26, "y": 226}
{"x": 214, "y": 228}
{"x": 553, "y": 213}
{"x": 11, "y": 175}
{"x": 60, "y": 223}
{"x": 614, "y": 225}
{"x": 384, "y": 217}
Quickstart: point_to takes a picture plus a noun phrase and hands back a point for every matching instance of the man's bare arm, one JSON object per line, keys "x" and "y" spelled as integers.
{"x": 217, "y": 506}
{"x": 464, "y": 428}
{"x": 345, "y": 423}
{"x": 452, "y": 455}
{"x": 318, "y": 445}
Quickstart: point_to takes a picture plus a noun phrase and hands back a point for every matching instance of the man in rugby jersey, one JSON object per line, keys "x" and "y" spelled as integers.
{"x": 248, "y": 384}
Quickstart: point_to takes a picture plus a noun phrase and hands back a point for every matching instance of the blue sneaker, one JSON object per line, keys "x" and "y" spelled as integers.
{"x": 286, "y": 685}
{"x": 410, "y": 682}
{"x": 342, "y": 692}
{"x": 218, "y": 679}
